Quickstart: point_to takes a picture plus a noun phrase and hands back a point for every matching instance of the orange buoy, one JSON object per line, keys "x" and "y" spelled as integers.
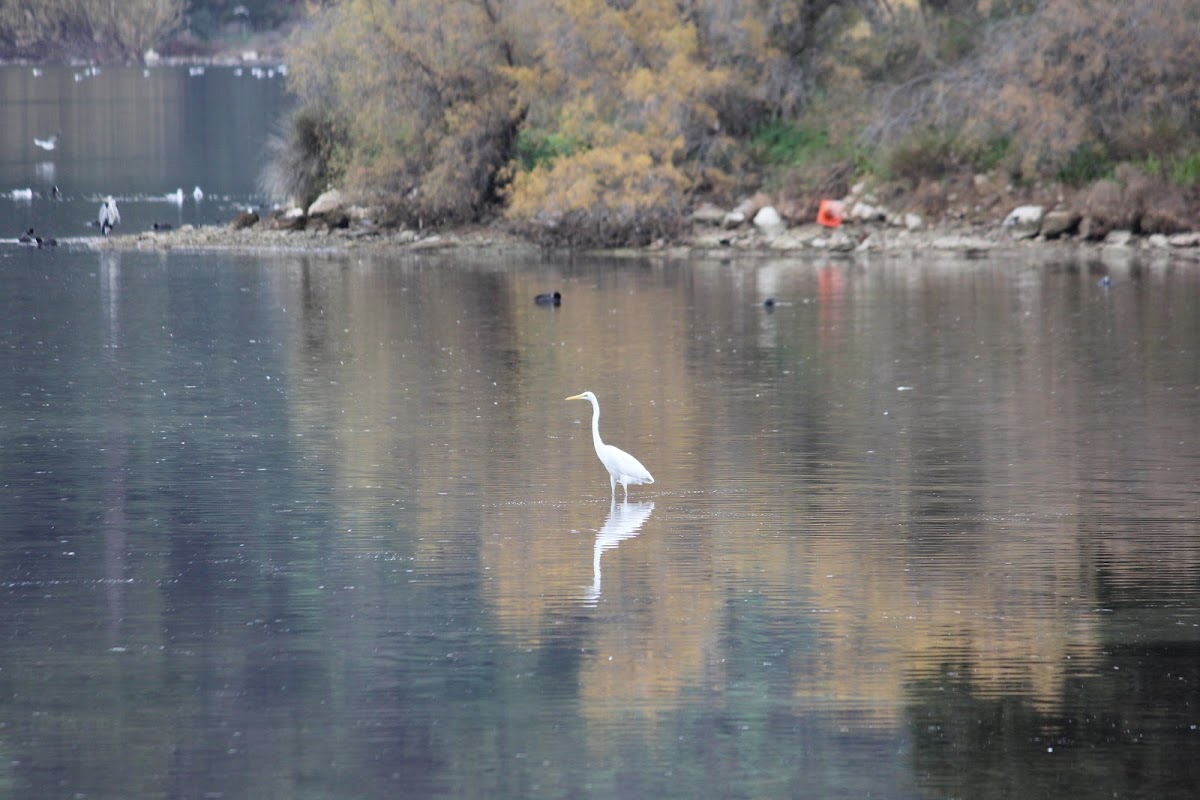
{"x": 830, "y": 213}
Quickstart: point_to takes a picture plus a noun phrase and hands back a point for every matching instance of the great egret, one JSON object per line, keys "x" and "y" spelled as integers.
{"x": 622, "y": 467}
{"x": 109, "y": 215}
{"x": 47, "y": 144}
{"x": 198, "y": 194}
{"x": 549, "y": 299}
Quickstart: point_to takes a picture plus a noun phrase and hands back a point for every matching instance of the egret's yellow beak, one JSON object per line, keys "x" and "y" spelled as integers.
{"x": 575, "y": 397}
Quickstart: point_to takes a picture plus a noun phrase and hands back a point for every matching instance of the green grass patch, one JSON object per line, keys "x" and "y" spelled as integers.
{"x": 1186, "y": 171}
{"x": 542, "y": 148}
{"x": 785, "y": 144}
{"x": 1085, "y": 164}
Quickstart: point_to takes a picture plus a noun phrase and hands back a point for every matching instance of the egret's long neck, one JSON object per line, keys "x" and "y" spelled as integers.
{"x": 596, "y": 425}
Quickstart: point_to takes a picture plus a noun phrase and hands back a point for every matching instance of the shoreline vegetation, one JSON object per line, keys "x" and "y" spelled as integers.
{"x": 721, "y": 125}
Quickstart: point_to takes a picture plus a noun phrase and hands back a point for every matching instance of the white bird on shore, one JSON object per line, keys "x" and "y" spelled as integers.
{"x": 22, "y": 194}
{"x": 109, "y": 216}
{"x": 47, "y": 144}
{"x": 622, "y": 467}
{"x": 198, "y": 194}
{"x": 175, "y": 197}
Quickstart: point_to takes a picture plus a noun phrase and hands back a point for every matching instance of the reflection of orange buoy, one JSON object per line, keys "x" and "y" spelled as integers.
{"x": 830, "y": 213}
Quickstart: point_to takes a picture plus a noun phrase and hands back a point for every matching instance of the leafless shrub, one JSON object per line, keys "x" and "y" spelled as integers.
{"x": 300, "y": 155}
{"x": 1133, "y": 200}
{"x": 1069, "y": 73}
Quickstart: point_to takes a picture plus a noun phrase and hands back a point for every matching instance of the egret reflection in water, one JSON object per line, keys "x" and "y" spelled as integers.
{"x": 623, "y": 522}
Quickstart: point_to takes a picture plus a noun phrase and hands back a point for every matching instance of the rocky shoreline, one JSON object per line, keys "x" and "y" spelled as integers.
{"x": 330, "y": 225}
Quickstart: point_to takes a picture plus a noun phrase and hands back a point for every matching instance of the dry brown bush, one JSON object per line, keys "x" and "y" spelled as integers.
{"x": 425, "y": 111}
{"x": 1069, "y": 73}
{"x": 1132, "y": 200}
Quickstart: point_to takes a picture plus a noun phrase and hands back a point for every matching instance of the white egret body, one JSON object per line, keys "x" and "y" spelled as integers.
{"x": 622, "y": 467}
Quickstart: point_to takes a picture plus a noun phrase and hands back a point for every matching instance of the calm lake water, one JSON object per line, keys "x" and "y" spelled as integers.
{"x": 284, "y": 527}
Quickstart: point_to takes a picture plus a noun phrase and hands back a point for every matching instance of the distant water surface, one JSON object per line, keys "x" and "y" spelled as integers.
{"x": 135, "y": 133}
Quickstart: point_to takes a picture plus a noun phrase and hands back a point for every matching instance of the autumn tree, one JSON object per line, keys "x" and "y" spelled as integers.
{"x": 417, "y": 105}
{"x": 616, "y": 96}
{"x": 593, "y": 121}
{"x": 635, "y": 107}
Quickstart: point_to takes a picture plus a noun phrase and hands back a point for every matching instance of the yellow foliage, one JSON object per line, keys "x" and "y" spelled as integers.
{"x": 629, "y": 84}
{"x": 624, "y": 105}
{"x": 606, "y": 194}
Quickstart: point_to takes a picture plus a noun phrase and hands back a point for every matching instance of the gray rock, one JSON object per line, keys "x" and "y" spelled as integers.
{"x": 1060, "y": 223}
{"x": 327, "y": 202}
{"x": 293, "y": 219}
{"x": 865, "y": 212}
{"x": 1025, "y": 215}
{"x": 328, "y": 212}
{"x": 1119, "y": 238}
{"x": 768, "y": 220}
{"x": 1025, "y": 221}
{"x": 244, "y": 219}
{"x": 1093, "y": 228}
{"x": 751, "y": 205}
{"x": 1191, "y": 239}
{"x": 733, "y": 219}
{"x": 329, "y": 220}
{"x": 708, "y": 214}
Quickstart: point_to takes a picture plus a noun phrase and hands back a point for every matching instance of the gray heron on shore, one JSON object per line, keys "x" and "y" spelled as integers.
{"x": 109, "y": 217}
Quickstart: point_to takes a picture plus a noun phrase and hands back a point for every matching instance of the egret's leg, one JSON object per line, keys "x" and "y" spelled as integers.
{"x": 612, "y": 484}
